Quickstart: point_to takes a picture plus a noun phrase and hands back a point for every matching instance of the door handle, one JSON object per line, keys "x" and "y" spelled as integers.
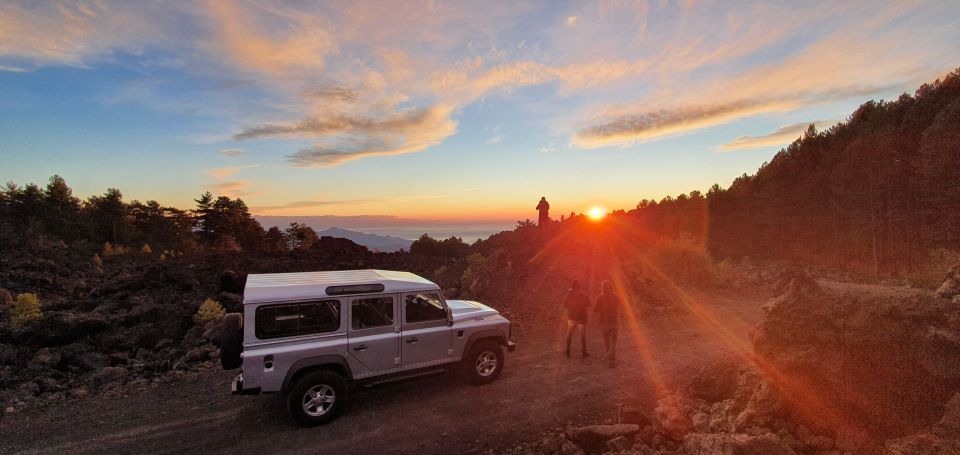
{"x": 412, "y": 340}
{"x": 362, "y": 347}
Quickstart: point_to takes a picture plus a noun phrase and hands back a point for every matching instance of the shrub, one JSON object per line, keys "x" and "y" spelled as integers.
{"x": 97, "y": 262}
{"x": 210, "y": 310}
{"x": 475, "y": 263}
{"x": 113, "y": 250}
{"x": 24, "y": 310}
{"x": 146, "y": 249}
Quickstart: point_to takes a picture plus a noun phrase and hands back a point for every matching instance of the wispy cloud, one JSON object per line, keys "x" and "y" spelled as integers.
{"x": 232, "y": 153}
{"x": 308, "y": 204}
{"x": 346, "y": 138}
{"x": 232, "y": 189}
{"x": 221, "y": 173}
{"x": 301, "y": 42}
{"x": 783, "y": 135}
{"x": 629, "y": 128}
{"x": 377, "y": 78}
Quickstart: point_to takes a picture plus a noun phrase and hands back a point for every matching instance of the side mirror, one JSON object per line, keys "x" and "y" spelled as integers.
{"x": 449, "y": 317}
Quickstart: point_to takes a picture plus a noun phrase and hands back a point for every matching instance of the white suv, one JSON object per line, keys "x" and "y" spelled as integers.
{"x": 313, "y": 335}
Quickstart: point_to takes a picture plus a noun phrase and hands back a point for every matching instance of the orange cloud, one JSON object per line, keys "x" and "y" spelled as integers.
{"x": 404, "y": 133}
{"x": 221, "y": 173}
{"x": 232, "y": 189}
{"x": 301, "y": 43}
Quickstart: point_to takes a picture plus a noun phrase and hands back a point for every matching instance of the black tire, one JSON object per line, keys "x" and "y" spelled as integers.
{"x": 315, "y": 409}
{"x": 477, "y": 363}
{"x": 231, "y": 341}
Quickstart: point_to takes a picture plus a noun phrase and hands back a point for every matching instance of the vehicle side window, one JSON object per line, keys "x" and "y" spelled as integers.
{"x": 371, "y": 312}
{"x": 425, "y": 306}
{"x": 291, "y": 319}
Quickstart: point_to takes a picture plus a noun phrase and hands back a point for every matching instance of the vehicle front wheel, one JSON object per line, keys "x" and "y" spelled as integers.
{"x": 317, "y": 398}
{"x": 484, "y": 362}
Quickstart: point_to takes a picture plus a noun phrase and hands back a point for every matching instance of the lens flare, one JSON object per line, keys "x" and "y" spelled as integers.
{"x": 597, "y": 213}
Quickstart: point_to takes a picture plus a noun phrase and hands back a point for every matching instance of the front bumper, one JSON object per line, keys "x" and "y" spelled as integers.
{"x": 511, "y": 346}
{"x": 236, "y": 387}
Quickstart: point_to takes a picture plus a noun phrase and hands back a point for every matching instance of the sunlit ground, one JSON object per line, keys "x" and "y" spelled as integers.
{"x": 611, "y": 248}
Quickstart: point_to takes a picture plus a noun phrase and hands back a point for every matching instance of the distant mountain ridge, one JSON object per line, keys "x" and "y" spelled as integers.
{"x": 385, "y": 243}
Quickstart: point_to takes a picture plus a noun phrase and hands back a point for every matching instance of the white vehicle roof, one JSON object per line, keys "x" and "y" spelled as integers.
{"x": 279, "y": 287}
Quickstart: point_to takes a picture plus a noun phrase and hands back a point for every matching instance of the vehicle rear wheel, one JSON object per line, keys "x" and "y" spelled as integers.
{"x": 317, "y": 398}
{"x": 484, "y": 362}
{"x": 231, "y": 341}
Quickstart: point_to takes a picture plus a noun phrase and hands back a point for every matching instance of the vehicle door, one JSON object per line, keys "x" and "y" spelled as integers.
{"x": 425, "y": 331}
{"x": 374, "y": 338}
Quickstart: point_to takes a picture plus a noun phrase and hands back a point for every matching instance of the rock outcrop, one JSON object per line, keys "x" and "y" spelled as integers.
{"x": 866, "y": 366}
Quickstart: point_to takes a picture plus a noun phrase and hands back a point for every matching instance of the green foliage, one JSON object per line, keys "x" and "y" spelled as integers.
{"x": 210, "y": 310}
{"x": 453, "y": 247}
{"x": 475, "y": 263}
{"x": 299, "y": 236}
{"x": 25, "y": 309}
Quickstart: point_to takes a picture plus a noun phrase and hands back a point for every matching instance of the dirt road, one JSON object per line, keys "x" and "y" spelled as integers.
{"x": 540, "y": 389}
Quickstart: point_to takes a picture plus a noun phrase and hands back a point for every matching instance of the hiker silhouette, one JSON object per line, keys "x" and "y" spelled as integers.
{"x": 544, "y": 208}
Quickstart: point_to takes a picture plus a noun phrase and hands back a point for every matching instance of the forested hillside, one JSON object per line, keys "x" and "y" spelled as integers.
{"x": 878, "y": 193}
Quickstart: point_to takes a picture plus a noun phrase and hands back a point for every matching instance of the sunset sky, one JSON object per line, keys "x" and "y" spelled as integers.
{"x": 439, "y": 110}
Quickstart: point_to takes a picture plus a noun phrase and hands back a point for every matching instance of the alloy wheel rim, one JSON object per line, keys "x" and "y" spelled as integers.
{"x": 318, "y": 400}
{"x": 486, "y": 363}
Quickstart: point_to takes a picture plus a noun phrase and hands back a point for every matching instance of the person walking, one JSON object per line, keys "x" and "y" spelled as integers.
{"x": 577, "y": 304}
{"x": 544, "y": 208}
{"x": 607, "y": 308}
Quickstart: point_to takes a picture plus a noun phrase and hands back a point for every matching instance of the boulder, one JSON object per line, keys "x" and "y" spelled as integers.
{"x": 764, "y": 405}
{"x": 943, "y": 437}
{"x": 714, "y": 383}
{"x": 870, "y": 360}
{"x": 569, "y": 448}
{"x": 951, "y": 284}
{"x": 108, "y": 375}
{"x": 619, "y": 444}
{"x": 672, "y": 416}
{"x": 116, "y": 285}
{"x": 60, "y": 327}
{"x": 170, "y": 321}
{"x": 593, "y": 438}
{"x": 197, "y": 355}
{"x": 735, "y": 444}
{"x": 231, "y": 282}
{"x": 91, "y": 360}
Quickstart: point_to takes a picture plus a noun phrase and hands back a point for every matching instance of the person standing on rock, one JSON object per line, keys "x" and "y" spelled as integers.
{"x": 607, "y": 308}
{"x": 544, "y": 208}
{"x": 577, "y": 304}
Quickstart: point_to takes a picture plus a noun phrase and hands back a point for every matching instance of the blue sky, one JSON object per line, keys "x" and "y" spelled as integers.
{"x": 439, "y": 110}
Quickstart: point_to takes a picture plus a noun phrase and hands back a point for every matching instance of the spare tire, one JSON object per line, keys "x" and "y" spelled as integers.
{"x": 231, "y": 341}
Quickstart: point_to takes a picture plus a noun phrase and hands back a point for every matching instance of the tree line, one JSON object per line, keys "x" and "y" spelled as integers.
{"x": 31, "y": 215}
{"x": 876, "y": 193}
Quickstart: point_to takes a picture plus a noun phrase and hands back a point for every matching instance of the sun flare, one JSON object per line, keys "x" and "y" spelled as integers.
{"x": 597, "y": 213}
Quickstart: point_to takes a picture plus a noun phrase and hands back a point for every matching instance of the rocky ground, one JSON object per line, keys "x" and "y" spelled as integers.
{"x": 829, "y": 367}
{"x": 130, "y": 321}
{"x": 851, "y": 370}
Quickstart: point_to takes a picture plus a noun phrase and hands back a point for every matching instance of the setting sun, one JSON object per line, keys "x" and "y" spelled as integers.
{"x": 597, "y": 213}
